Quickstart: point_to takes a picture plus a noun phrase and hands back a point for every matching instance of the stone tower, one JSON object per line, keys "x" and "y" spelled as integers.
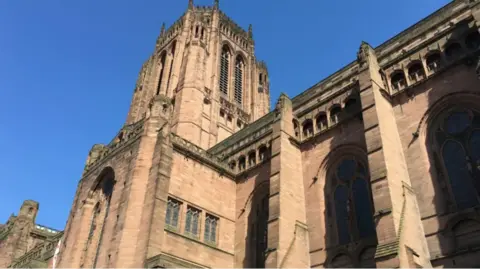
{"x": 206, "y": 64}
{"x": 17, "y": 233}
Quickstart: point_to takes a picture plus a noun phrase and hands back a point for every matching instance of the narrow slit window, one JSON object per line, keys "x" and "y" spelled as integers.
{"x": 239, "y": 66}
{"x": 224, "y": 63}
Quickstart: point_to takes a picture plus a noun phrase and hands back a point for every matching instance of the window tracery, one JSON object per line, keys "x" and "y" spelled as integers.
{"x": 239, "y": 70}
{"x": 210, "y": 235}
{"x": 457, "y": 142}
{"x": 224, "y": 69}
{"x": 173, "y": 211}
{"x": 192, "y": 220}
{"x": 353, "y": 208}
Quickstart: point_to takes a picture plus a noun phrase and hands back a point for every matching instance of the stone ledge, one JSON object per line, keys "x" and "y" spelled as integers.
{"x": 191, "y": 150}
{"x": 169, "y": 261}
{"x": 210, "y": 245}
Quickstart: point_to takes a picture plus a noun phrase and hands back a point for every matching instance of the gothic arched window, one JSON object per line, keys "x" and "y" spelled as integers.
{"x": 172, "y": 51}
{"x": 434, "y": 61}
{"x": 224, "y": 66}
{"x": 162, "y": 68}
{"x": 239, "y": 66}
{"x": 457, "y": 140}
{"x": 352, "y": 201}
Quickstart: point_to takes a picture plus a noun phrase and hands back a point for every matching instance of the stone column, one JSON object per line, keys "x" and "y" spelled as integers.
{"x": 396, "y": 212}
{"x": 288, "y": 244}
{"x": 133, "y": 246}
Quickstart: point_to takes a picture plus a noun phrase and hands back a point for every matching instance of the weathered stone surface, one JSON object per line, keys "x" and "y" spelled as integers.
{"x": 268, "y": 179}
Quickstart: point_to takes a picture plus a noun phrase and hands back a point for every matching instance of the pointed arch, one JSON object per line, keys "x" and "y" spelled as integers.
{"x": 433, "y": 60}
{"x": 347, "y": 189}
{"x": 163, "y": 57}
{"x": 172, "y": 53}
{"x": 454, "y": 135}
{"x": 335, "y": 111}
{"x": 239, "y": 78}
{"x": 224, "y": 68}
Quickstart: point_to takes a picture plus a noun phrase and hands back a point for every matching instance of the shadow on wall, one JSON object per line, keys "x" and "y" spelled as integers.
{"x": 256, "y": 207}
{"x": 350, "y": 235}
{"x": 450, "y": 133}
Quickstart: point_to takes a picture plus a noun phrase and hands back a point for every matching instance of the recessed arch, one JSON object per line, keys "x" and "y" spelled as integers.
{"x": 398, "y": 80}
{"x": 307, "y": 128}
{"x": 229, "y": 46}
{"x": 416, "y": 71}
{"x": 321, "y": 120}
{"x": 263, "y": 152}
{"x": 351, "y": 104}
{"x": 242, "y": 163}
{"x": 106, "y": 175}
{"x": 335, "y": 111}
{"x": 252, "y": 158}
{"x": 433, "y": 60}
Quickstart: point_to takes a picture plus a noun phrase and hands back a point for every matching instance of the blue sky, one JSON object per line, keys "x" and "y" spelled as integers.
{"x": 68, "y": 69}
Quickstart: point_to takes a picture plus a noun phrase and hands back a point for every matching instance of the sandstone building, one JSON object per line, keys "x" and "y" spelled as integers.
{"x": 378, "y": 165}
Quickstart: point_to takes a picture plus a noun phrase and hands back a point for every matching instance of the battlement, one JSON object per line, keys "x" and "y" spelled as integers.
{"x": 170, "y": 33}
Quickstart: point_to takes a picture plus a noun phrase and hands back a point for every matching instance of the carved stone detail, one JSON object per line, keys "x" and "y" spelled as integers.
{"x": 363, "y": 53}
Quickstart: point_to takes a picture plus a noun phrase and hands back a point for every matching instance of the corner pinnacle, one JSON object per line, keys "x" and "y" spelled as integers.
{"x": 250, "y": 31}
{"x": 190, "y": 4}
{"x": 162, "y": 31}
{"x": 216, "y": 4}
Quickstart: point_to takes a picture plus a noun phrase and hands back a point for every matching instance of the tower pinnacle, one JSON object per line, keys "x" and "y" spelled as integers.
{"x": 162, "y": 31}
{"x": 190, "y": 4}
{"x": 216, "y": 4}
{"x": 250, "y": 31}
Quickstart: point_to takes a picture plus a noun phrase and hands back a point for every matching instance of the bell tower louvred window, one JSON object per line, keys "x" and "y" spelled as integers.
{"x": 224, "y": 64}
{"x": 239, "y": 65}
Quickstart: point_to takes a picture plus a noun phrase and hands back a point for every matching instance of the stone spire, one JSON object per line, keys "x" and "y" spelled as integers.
{"x": 250, "y": 31}
{"x": 162, "y": 31}
{"x": 216, "y": 4}
{"x": 190, "y": 4}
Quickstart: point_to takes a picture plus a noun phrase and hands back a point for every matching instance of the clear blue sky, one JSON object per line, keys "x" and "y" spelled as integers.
{"x": 68, "y": 68}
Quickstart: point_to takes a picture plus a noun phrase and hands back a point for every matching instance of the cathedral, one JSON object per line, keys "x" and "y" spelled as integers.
{"x": 360, "y": 170}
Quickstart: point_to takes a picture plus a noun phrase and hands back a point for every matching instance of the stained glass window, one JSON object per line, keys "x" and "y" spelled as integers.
{"x": 457, "y": 170}
{"x": 363, "y": 210}
{"x": 459, "y": 147}
{"x": 346, "y": 170}
{"x": 353, "y": 206}
{"x": 210, "y": 235}
{"x": 457, "y": 122}
{"x": 192, "y": 220}
{"x": 341, "y": 210}
{"x": 173, "y": 210}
